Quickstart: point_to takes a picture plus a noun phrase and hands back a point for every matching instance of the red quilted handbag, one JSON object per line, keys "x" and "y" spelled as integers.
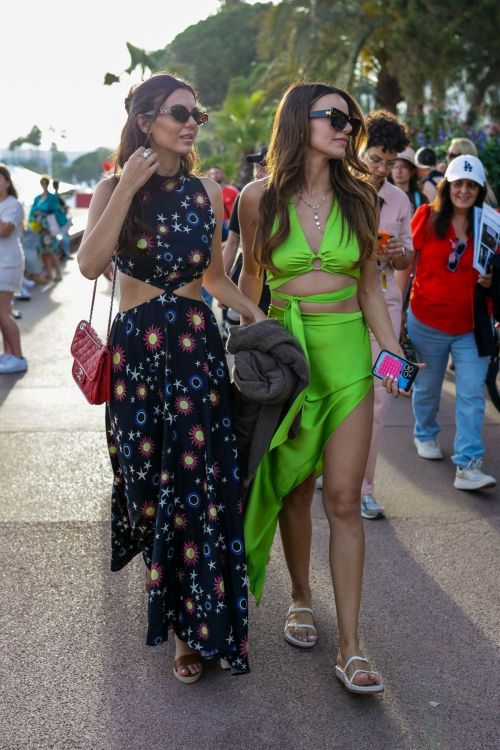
{"x": 91, "y": 358}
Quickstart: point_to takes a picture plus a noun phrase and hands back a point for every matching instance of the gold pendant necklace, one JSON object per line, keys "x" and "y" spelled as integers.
{"x": 315, "y": 208}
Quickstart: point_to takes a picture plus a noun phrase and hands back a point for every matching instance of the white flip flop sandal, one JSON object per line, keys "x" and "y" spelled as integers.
{"x": 347, "y": 682}
{"x": 290, "y": 638}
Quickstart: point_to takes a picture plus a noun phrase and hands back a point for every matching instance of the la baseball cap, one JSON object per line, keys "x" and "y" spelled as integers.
{"x": 465, "y": 167}
{"x": 258, "y": 158}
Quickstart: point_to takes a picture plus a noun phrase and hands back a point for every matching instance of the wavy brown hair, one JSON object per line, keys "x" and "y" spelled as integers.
{"x": 11, "y": 190}
{"x": 285, "y": 161}
{"x": 444, "y": 209}
{"x": 142, "y": 98}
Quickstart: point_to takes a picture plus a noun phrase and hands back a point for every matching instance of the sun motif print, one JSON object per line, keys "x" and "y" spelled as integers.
{"x": 175, "y": 493}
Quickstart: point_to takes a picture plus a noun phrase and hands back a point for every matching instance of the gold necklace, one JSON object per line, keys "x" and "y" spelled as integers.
{"x": 315, "y": 208}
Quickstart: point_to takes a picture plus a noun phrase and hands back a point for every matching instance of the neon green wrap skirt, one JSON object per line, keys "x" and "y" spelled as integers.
{"x": 337, "y": 347}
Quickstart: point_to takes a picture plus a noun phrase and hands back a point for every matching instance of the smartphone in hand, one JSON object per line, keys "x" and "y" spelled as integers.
{"x": 402, "y": 369}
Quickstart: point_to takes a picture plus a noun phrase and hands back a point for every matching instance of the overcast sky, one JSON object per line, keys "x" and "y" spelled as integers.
{"x": 55, "y": 59}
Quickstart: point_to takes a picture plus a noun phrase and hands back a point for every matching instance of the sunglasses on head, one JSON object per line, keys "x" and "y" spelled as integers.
{"x": 181, "y": 113}
{"x": 338, "y": 119}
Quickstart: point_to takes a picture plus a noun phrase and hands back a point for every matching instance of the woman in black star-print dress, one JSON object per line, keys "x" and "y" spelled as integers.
{"x": 175, "y": 494}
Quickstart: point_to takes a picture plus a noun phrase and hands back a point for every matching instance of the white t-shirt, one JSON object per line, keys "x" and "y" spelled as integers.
{"x": 11, "y": 250}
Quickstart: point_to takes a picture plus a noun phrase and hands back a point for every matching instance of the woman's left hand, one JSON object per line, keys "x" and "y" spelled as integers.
{"x": 485, "y": 279}
{"x": 391, "y": 385}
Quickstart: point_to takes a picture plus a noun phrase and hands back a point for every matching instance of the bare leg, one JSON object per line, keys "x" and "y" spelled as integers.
{"x": 8, "y": 326}
{"x": 345, "y": 460}
{"x": 296, "y": 529}
{"x": 47, "y": 264}
{"x": 57, "y": 265}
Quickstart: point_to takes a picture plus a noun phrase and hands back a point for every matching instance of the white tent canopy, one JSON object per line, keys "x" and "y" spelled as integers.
{"x": 27, "y": 184}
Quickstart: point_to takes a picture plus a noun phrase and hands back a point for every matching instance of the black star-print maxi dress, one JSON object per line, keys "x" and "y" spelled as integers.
{"x": 176, "y": 487}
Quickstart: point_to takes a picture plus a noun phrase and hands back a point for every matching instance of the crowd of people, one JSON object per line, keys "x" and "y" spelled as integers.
{"x": 48, "y": 224}
{"x": 342, "y": 224}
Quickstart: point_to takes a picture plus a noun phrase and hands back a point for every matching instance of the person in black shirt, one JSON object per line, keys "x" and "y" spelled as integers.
{"x": 232, "y": 259}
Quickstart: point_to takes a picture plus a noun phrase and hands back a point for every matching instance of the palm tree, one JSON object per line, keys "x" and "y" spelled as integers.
{"x": 328, "y": 40}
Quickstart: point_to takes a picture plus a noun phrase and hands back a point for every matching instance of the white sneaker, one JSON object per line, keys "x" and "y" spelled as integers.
{"x": 370, "y": 508}
{"x": 13, "y": 364}
{"x": 319, "y": 482}
{"x": 23, "y": 294}
{"x": 430, "y": 449}
{"x": 471, "y": 477}
{"x": 3, "y": 357}
{"x": 28, "y": 283}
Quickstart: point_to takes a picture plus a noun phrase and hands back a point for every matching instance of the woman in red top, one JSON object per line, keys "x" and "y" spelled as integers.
{"x": 441, "y": 320}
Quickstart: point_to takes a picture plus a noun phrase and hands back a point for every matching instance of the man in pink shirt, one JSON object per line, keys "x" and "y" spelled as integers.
{"x": 387, "y": 137}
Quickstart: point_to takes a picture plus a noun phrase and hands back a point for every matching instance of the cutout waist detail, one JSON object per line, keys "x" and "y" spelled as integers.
{"x": 292, "y": 319}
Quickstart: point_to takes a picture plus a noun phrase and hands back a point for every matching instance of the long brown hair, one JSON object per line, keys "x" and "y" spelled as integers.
{"x": 11, "y": 190}
{"x": 142, "y": 98}
{"x": 355, "y": 198}
{"x": 444, "y": 209}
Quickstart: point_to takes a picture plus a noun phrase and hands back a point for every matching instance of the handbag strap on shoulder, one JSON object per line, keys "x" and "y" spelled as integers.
{"x": 110, "y": 306}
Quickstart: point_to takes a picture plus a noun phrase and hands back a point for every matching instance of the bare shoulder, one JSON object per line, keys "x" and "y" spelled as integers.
{"x": 250, "y": 197}
{"x": 100, "y": 199}
{"x": 213, "y": 189}
{"x": 104, "y": 190}
{"x": 253, "y": 191}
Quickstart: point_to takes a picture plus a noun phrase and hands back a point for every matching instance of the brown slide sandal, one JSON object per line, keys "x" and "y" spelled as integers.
{"x": 185, "y": 661}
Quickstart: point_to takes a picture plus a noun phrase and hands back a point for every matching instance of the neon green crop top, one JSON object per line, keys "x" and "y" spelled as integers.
{"x": 294, "y": 257}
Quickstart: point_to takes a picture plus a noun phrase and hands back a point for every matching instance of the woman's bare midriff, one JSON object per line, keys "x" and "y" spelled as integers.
{"x": 134, "y": 292}
{"x": 319, "y": 282}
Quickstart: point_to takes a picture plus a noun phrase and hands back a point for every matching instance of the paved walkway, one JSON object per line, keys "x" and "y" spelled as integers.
{"x": 76, "y": 672}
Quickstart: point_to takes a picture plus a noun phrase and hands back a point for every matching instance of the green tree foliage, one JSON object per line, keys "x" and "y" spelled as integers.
{"x": 87, "y": 167}
{"x": 209, "y": 53}
{"x": 327, "y": 40}
{"x": 242, "y": 126}
{"x": 445, "y": 43}
{"x": 34, "y": 138}
{"x": 58, "y": 160}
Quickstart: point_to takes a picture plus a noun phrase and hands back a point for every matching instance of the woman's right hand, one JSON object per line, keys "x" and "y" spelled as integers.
{"x": 137, "y": 170}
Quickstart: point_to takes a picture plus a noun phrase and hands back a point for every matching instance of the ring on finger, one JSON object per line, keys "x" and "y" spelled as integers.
{"x": 146, "y": 154}
{"x": 403, "y": 251}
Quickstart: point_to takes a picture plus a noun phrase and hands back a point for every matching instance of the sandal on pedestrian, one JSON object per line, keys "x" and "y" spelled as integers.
{"x": 290, "y": 638}
{"x": 186, "y": 661}
{"x": 341, "y": 674}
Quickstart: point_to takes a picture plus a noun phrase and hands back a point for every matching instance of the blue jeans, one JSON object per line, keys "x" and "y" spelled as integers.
{"x": 206, "y": 296}
{"x": 434, "y": 347}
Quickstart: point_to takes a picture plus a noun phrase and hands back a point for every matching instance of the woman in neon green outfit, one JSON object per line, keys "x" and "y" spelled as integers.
{"x": 312, "y": 225}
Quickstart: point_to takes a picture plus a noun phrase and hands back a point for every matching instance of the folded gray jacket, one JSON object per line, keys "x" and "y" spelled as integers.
{"x": 270, "y": 371}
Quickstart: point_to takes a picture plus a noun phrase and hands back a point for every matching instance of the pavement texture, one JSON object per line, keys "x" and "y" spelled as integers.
{"x": 76, "y": 673}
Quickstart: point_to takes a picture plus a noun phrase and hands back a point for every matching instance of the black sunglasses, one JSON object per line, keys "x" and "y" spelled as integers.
{"x": 181, "y": 113}
{"x": 455, "y": 255}
{"x": 338, "y": 119}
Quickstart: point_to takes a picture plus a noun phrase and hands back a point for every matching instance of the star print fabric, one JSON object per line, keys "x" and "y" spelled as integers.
{"x": 175, "y": 493}
{"x": 177, "y": 249}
